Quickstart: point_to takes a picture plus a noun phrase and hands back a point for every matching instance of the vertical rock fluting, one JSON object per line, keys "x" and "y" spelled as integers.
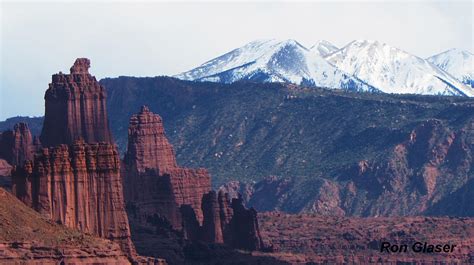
{"x": 79, "y": 186}
{"x": 75, "y": 108}
{"x": 75, "y": 179}
{"x": 16, "y": 146}
{"x": 153, "y": 179}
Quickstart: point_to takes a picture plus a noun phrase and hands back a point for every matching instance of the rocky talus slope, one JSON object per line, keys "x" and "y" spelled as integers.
{"x": 27, "y": 237}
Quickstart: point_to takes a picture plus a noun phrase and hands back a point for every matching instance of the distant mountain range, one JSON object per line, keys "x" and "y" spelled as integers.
{"x": 362, "y": 65}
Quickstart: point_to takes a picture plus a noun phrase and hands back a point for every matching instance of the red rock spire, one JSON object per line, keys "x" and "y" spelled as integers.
{"x": 148, "y": 147}
{"x": 75, "y": 108}
{"x": 155, "y": 185}
{"x": 81, "y": 66}
{"x": 153, "y": 179}
{"x": 75, "y": 179}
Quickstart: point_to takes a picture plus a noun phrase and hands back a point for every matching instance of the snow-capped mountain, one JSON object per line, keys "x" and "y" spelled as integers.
{"x": 324, "y": 48}
{"x": 395, "y": 71}
{"x": 458, "y": 63}
{"x": 275, "y": 61}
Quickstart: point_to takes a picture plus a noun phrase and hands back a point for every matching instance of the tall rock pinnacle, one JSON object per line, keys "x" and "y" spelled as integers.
{"x": 75, "y": 108}
{"x": 154, "y": 185}
{"x": 153, "y": 179}
{"x": 75, "y": 178}
{"x": 148, "y": 144}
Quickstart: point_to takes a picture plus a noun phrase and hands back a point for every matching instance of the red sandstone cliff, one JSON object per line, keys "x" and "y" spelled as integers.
{"x": 75, "y": 179}
{"x": 78, "y": 186}
{"x": 157, "y": 188}
{"x": 75, "y": 108}
{"x": 153, "y": 179}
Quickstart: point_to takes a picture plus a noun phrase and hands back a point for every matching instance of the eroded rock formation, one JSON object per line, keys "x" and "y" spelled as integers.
{"x": 75, "y": 108}
{"x": 158, "y": 191}
{"x": 229, "y": 222}
{"x": 17, "y": 145}
{"x": 153, "y": 179}
{"x": 79, "y": 186}
{"x": 74, "y": 179}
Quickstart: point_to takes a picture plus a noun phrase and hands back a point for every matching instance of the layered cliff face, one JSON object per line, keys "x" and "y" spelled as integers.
{"x": 75, "y": 108}
{"x": 79, "y": 186}
{"x": 17, "y": 145}
{"x": 153, "y": 179}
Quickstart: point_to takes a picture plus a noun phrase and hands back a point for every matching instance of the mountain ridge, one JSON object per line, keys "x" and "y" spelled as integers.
{"x": 361, "y": 65}
{"x": 275, "y": 61}
{"x": 459, "y": 63}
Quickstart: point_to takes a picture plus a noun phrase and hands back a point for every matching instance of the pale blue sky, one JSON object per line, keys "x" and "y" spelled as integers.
{"x": 150, "y": 39}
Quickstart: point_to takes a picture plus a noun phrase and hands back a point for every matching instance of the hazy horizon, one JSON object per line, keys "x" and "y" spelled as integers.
{"x": 161, "y": 38}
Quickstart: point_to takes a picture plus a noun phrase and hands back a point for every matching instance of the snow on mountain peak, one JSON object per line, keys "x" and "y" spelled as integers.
{"x": 274, "y": 61}
{"x": 324, "y": 48}
{"x": 393, "y": 70}
{"x": 457, "y": 62}
{"x": 361, "y": 65}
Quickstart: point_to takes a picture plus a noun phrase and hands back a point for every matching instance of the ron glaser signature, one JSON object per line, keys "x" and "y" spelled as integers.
{"x": 417, "y": 247}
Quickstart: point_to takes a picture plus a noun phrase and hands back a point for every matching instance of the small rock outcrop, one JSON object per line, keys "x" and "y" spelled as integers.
{"x": 229, "y": 222}
{"x": 75, "y": 108}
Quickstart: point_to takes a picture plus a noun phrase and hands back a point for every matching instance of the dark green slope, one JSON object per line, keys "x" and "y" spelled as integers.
{"x": 246, "y": 131}
{"x": 334, "y": 152}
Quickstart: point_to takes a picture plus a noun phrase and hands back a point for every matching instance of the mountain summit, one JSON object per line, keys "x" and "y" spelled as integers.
{"x": 459, "y": 63}
{"x": 395, "y": 71}
{"x": 324, "y": 48}
{"x": 275, "y": 61}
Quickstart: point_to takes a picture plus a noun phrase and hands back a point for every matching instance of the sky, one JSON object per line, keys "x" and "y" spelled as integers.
{"x": 166, "y": 38}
